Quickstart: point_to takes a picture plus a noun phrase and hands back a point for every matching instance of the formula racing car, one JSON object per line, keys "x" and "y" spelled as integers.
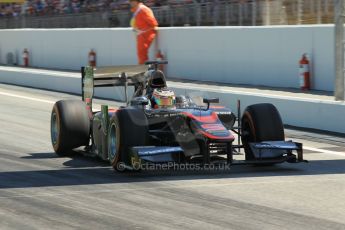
{"x": 156, "y": 126}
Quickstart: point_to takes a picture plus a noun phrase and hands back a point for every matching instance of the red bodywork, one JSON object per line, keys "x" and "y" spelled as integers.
{"x": 208, "y": 124}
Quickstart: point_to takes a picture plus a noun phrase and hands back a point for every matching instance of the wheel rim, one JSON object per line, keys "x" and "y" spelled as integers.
{"x": 112, "y": 142}
{"x": 247, "y": 132}
{"x": 54, "y": 129}
{"x": 247, "y": 137}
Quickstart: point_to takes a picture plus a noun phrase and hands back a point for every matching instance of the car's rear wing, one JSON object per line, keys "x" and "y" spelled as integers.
{"x": 124, "y": 76}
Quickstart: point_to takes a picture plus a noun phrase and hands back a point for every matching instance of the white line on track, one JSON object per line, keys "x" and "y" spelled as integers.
{"x": 324, "y": 151}
{"x": 26, "y": 98}
{"x": 96, "y": 106}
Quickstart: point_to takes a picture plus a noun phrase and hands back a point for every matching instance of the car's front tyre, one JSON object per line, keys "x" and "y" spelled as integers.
{"x": 261, "y": 122}
{"x": 114, "y": 138}
{"x": 127, "y": 128}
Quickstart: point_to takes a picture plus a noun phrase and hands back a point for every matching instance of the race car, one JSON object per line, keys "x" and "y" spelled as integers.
{"x": 156, "y": 126}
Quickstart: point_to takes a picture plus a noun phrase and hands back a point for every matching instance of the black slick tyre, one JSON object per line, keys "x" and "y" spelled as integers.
{"x": 128, "y": 128}
{"x": 261, "y": 122}
{"x": 70, "y": 126}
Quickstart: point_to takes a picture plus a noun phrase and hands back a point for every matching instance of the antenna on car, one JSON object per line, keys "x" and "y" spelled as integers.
{"x": 153, "y": 65}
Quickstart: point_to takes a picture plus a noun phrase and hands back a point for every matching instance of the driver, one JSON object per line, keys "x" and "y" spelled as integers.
{"x": 163, "y": 98}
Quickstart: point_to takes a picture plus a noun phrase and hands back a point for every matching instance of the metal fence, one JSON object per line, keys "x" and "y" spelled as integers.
{"x": 215, "y": 13}
{"x": 57, "y": 21}
{"x": 249, "y": 13}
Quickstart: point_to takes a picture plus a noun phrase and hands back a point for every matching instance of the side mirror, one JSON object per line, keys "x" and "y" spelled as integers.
{"x": 208, "y": 101}
{"x": 211, "y": 100}
{"x": 144, "y": 103}
{"x": 139, "y": 101}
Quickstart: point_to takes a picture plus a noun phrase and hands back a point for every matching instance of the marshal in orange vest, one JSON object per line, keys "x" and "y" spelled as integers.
{"x": 145, "y": 25}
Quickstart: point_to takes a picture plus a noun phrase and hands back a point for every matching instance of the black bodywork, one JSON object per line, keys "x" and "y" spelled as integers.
{"x": 190, "y": 132}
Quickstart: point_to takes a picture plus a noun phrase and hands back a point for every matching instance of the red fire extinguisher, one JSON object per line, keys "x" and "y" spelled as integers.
{"x": 92, "y": 58}
{"x": 26, "y": 57}
{"x": 160, "y": 57}
{"x": 304, "y": 73}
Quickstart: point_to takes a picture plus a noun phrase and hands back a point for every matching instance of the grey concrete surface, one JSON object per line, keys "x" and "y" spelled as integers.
{"x": 38, "y": 190}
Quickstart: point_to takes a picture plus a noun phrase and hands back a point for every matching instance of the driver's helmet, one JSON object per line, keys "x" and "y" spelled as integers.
{"x": 163, "y": 98}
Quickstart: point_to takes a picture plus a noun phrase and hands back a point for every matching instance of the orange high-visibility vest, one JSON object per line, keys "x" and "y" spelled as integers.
{"x": 143, "y": 23}
{"x": 143, "y": 19}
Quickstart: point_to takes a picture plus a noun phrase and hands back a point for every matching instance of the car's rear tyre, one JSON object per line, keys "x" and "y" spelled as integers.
{"x": 261, "y": 122}
{"x": 70, "y": 126}
{"x": 128, "y": 128}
